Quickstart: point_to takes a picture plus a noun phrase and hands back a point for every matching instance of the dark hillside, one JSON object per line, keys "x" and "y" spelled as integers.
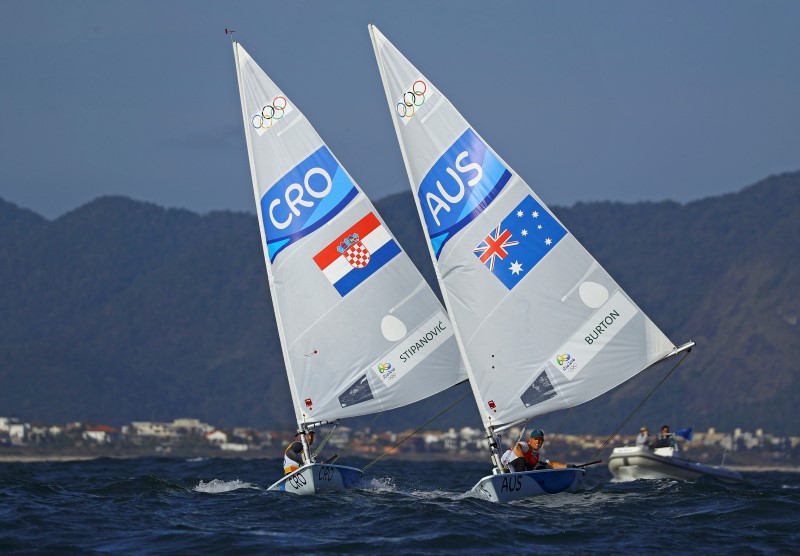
{"x": 122, "y": 311}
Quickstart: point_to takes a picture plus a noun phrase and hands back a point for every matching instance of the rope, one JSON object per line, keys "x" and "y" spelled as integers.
{"x": 560, "y": 426}
{"x": 428, "y": 422}
{"x": 324, "y": 441}
{"x": 628, "y": 418}
{"x": 368, "y": 425}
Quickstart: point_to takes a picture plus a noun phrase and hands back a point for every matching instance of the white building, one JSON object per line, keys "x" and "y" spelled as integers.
{"x": 450, "y": 440}
{"x": 175, "y": 429}
{"x": 233, "y": 447}
{"x": 191, "y": 426}
{"x": 101, "y": 434}
{"x": 18, "y": 432}
{"x": 340, "y": 438}
{"x": 217, "y": 437}
{"x": 158, "y": 430}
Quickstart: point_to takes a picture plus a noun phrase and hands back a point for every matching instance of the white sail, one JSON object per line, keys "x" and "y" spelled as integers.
{"x": 361, "y": 331}
{"x": 541, "y": 325}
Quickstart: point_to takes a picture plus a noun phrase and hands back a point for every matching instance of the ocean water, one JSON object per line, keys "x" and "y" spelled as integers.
{"x": 221, "y": 506}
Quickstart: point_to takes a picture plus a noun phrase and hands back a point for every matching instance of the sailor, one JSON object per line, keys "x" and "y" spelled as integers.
{"x": 293, "y": 456}
{"x": 526, "y": 455}
{"x": 665, "y": 439}
{"x": 643, "y": 439}
{"x": 506, "y": 459}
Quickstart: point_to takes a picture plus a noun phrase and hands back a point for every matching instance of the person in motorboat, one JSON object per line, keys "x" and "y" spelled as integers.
{"x": 643, "y": 439}
{"x": 665, "y": 439}
{"x": 293, "y": 456}
{"x": 524, "y": 456}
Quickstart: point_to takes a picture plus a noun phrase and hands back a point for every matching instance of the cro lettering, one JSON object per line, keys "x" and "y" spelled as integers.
{"x": 297, "y": 481}
{"x": 293, "y": 195}
{"x": 325, "y": 473}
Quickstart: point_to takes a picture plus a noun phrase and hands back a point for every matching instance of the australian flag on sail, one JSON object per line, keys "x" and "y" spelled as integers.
{"x": 357, "y": 254}
{"x": 512, "y": 248}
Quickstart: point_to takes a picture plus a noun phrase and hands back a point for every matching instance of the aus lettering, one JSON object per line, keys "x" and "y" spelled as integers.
{"x": 316, "y": 185}
{"x": 512, "y": 483}
{"x": 452, "y": 192}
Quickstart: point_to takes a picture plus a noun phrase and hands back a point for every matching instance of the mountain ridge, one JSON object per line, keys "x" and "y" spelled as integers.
{"x": 121, "y": 310}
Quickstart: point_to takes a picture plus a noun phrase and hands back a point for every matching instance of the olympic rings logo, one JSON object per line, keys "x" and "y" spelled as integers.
{"x": 270, "y": 113}
{"x": 412, "y": 100}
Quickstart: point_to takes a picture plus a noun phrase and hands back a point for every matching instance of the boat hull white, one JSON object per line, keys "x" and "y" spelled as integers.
{"x": 507, "y": 487}
{"x": 319, "y": 478}
{"x": 631, "y": 463}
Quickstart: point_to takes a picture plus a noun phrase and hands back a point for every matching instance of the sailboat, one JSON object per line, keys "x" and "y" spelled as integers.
{"x": 361, "y": 332}
{"x": 540, "y": 324}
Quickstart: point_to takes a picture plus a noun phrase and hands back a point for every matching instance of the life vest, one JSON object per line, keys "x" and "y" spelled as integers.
{"x": 289, "y": 465}
{"x": 289, "y": 468}
{"x": 531, "y": 456}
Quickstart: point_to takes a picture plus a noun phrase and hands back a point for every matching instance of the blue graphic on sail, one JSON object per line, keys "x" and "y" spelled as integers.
{"x": 304, "y": 199}
{"x": 459, "y": 186}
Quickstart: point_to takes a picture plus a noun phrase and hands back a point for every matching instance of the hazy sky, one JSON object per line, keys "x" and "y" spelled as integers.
{"x": 585, "y": 100}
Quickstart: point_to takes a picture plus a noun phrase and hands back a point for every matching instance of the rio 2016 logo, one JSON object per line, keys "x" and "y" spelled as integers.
{"x": 567, "y": 363}
{"x": 270, "y": 113}
{"x": 412, "y": 100}
{"x": 384, "y": 368}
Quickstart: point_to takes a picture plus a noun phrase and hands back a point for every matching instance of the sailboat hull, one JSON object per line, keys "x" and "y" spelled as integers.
{"x": 631, "y": 463}
{"x": 319, "y": 478}
{"x": 507, "y": 487}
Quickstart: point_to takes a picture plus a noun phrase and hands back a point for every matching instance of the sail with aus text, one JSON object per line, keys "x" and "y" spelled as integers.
{"x": 541, "y": 325}
{"x": 360, "y": 329}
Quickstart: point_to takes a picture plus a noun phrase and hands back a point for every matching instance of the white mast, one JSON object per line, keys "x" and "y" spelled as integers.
{"x": 270, "y": 278}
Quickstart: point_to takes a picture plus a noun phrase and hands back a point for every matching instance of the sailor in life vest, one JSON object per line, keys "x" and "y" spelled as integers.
{"x": 524, "y": 456}
{"x": 293, "y": 456}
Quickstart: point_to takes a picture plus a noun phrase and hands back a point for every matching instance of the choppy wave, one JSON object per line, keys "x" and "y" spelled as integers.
{"x": 216, "y": 486}
{"x": 212, "y": 506}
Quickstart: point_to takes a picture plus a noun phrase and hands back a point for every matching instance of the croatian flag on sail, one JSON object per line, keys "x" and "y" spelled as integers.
{"x": 519, "y": 242}
{"x": 357, "y": 254}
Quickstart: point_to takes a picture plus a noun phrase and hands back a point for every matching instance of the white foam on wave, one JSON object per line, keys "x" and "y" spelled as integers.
{"x": 437, "y": 494}
{"x": 379, "y": 484}
{"x": 388, "y": 485}
{"x": 470, "y": 494}
{"x": 216, "y": 486}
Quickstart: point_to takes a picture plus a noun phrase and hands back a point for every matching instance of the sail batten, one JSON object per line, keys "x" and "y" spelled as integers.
{"x": 360, "y": 330}
{"x": 540, "y": 324}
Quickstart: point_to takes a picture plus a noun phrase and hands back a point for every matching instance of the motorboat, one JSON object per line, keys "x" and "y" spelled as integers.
{"x": 640, "y": 462}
